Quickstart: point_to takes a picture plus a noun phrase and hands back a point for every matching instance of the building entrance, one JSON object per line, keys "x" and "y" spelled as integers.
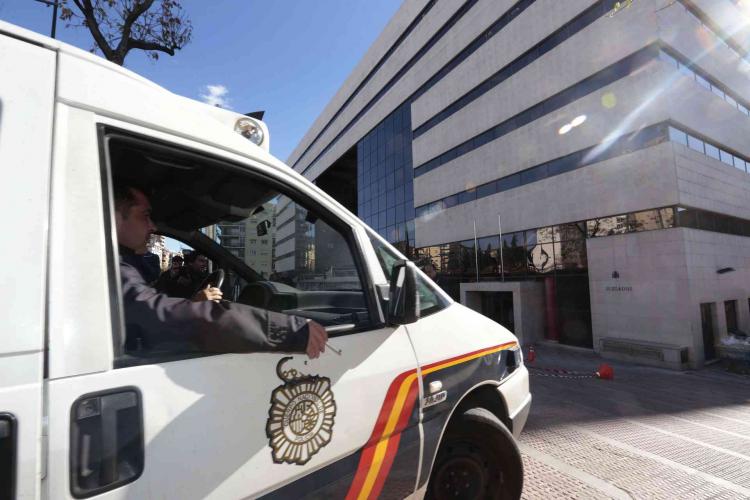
{"x": 498, "y": 306}
{"x": 707, "y": 323}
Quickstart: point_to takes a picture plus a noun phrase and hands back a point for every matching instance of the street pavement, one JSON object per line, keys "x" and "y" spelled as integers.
{"x": 649, "y": 433}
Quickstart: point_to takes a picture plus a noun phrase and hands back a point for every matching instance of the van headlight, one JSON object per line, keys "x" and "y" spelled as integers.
{"x": 514, "y": 358}
{"x": 248, "y": 129}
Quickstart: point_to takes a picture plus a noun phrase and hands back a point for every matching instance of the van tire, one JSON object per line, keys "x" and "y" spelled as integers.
{"x": 479, "y": 449}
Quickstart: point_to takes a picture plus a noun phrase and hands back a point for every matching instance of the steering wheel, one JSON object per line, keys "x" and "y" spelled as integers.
{"x": 215, "y": 279}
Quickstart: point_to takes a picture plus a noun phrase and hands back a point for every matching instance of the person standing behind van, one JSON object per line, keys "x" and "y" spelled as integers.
{"x": 184, "y": 281}
{"x": 215, "y": 327}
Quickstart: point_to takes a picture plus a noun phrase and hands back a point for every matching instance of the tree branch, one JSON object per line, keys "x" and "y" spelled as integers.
{"x": 138, "y": 10}
{"x": 145, "y": 45}
{"x": 88, "y": 13}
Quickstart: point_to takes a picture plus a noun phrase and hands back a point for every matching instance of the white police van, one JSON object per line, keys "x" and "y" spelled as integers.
{"x": 417, "y": 396}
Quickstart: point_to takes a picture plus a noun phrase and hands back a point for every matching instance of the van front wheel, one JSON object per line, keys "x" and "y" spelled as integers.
{"x": 478, "y": 459}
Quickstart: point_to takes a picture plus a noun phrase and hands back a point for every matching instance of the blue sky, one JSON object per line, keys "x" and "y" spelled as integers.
{"x": 286, "y": 57}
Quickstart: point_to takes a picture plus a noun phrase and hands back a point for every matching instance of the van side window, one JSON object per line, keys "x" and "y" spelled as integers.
{"x": 217, "y": 225}
{"x": 429, "y": 301}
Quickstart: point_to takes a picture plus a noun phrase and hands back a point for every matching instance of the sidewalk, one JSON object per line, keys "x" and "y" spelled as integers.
{"x": 649, "y": 433}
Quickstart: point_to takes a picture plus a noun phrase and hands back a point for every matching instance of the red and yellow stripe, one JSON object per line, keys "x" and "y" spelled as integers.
{"x": 380, "y": 449}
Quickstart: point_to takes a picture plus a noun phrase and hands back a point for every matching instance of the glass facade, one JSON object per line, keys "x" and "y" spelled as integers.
{"x": 525, "y": 254}
{"x": 554, "y": 256}
{"x": 385, "y": 180}
{"x": 558, "y": 249}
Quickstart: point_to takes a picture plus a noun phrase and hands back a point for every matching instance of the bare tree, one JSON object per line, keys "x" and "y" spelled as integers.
{"x": 119, "y": 26}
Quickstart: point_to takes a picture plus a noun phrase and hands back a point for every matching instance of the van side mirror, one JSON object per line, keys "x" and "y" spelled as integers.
{"x": 403, "y": 297}
{"x": 262, "y": 228}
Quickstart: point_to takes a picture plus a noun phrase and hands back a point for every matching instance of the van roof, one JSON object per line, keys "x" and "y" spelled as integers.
{"x": 141, "y": 101}
{"x": 20, "y": 33}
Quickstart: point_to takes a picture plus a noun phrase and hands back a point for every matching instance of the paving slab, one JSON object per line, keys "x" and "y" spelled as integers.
{"x": 649, "y": 433}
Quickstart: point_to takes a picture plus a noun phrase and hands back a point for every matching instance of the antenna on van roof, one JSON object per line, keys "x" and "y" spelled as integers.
{"x": 258, "y": 115}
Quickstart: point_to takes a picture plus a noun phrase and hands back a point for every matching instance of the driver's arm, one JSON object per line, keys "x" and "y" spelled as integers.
{"x": 216, "y": 327}
{"x": 208, "y": 293}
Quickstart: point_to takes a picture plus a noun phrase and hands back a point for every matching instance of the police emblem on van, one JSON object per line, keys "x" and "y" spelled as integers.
{"x": 301, "y": 417}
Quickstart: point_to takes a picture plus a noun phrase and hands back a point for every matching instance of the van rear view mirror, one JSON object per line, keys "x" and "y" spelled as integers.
{"x": 262, "y": 228}
{"x": 403, "y": 297}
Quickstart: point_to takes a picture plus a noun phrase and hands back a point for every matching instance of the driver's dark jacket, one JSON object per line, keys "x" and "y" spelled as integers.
{"x": 151, "y": 316}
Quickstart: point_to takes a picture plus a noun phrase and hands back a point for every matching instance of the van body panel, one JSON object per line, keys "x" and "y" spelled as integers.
{"x": 80, "y": 328}
{"x": 205, "y": 419}
{"x": 461, "y": 350}
{"x": 26, "y": 123}
{"x": 212, "y": 410}
{"x": 143, "y": 103}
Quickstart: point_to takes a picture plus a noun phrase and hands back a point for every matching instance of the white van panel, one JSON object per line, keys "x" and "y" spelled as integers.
{"x": 26, "y": 97}
{"x": 80, "y": 321}
{"x": 27, "y": 90}
{"x": 141, "y": 102}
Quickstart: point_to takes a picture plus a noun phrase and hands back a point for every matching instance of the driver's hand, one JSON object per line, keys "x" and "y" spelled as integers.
{"x": 317, "y": 338}
{"x": 208, "y": 293}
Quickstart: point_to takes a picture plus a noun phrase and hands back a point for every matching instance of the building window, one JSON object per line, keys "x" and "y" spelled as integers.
{"x": 385, "y": 179}
{"x": 677, "y": 136}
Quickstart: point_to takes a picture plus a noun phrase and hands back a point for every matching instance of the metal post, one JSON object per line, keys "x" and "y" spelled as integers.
{"x": 54, "y": 18}
{"x": 500, "y": 228}
{"x": 54, "y": 4}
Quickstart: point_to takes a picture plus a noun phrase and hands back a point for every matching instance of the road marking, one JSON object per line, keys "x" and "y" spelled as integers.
{"x": 603, "y": 486}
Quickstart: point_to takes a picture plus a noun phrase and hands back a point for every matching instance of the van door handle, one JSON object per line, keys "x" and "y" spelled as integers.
{"x": 106, "y": 441}
{"x": 7, "y": 455}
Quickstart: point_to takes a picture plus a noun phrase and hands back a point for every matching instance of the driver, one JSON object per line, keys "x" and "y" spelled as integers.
{"x": 214, "y": 326}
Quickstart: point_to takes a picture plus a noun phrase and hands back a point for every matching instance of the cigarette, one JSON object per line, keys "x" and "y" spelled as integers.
{"x": 333, "y": 349}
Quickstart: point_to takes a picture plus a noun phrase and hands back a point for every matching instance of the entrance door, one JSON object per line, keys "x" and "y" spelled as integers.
{"x": 707, "y": 324}
{"x": 498, "y": 306}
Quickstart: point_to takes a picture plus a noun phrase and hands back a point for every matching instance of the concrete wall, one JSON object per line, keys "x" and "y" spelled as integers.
{"x": 706, "y": 183}
{"x": 536, "y": 23}
{"x": 598, "y": 46}
{"x": 650, "y": 301}
{"x": 528, "y": 305}
{"x": 671, "y": 273}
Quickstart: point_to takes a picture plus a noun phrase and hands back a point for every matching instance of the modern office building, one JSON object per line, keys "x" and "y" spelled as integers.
{"x": 577, "y": 171}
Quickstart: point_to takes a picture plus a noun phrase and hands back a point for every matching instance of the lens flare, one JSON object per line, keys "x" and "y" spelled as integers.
{"x": 565, "y": 129}
{"x": 578, "y": 120}
{"x": 609, "y": 100}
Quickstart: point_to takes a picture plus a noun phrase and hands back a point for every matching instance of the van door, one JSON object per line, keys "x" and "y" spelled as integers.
{"x": 164, "y": 419}
{"x": 26, "y": 103}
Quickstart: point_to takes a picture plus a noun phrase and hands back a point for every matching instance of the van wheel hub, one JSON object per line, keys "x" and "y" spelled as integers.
{"x": 463, "y": 475}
